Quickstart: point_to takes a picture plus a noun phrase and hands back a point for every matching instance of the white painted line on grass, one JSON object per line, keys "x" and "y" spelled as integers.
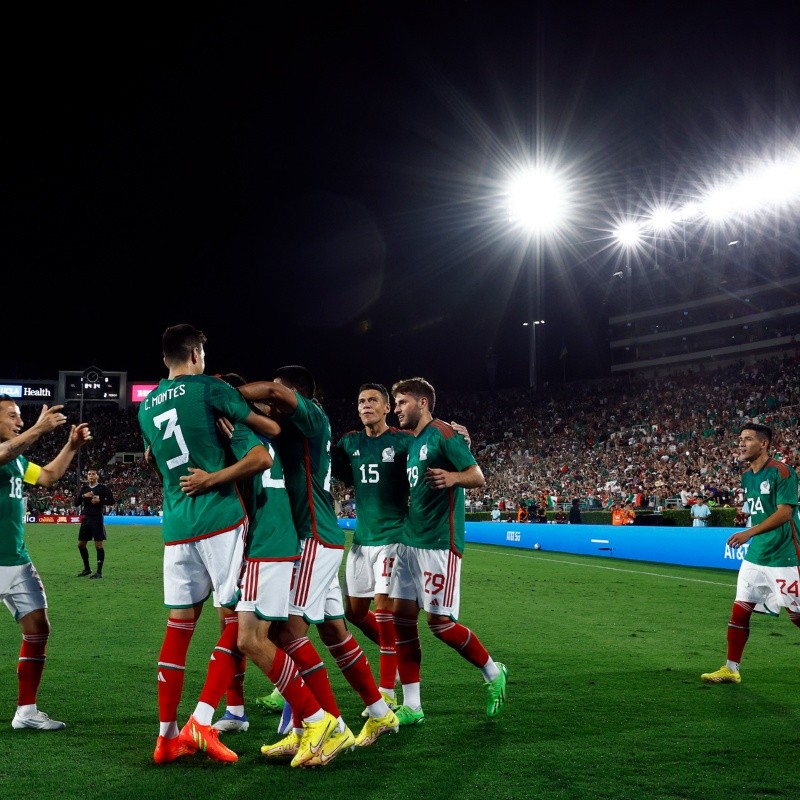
{"x": 539, "y": 557}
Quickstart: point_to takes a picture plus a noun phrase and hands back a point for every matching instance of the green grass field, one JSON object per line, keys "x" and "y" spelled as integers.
{"x": 605, "y": 699}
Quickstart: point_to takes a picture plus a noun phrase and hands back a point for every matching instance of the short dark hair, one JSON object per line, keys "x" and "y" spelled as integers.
{"x": 297, "y": 377}
{"x": 418, "y": 387}
{"x": 763, "y": 431}
{"x": 376, "y": 387}
{"x": 178, "y": 341}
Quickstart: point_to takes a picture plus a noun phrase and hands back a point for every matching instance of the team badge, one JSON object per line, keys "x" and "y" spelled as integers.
{"x": 423, "y": 453}
{"x": 387, "y": 456}
{"x": 764, "y": 488}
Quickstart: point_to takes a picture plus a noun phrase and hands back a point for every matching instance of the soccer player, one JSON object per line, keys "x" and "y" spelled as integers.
{"x": 203, "y": 534}
{"x": 427, "y": 570}
{"x": 21, "y": 587}
{"x": 94, "y": 496}
{"x": 271, "y": 552}
{"x": 305, "y": 446}
{"x": 373, "y": 461}
{"x": 769, "y": 578}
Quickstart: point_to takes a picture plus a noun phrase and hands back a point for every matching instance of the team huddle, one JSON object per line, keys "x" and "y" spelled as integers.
{"x": 246, "y": 471}
{"x": 249, "y": 520}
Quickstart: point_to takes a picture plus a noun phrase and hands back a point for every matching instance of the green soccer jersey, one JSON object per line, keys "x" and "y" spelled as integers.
{"x": 305, "y": 449}
{"x": 13, "y": 552}
{"x": 271, "y": 535}
{"x": 773, "y": 485}
{"x": 378, "y": 466}
{"x": 436, "y": 516}
{"x": 178, "y": 422}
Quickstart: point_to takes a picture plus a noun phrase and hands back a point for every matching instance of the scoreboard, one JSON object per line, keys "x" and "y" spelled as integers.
{"x": 93, "y": 385}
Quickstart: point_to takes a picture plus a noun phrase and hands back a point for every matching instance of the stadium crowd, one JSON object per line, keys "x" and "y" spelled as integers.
{"x": 654, "y": 441}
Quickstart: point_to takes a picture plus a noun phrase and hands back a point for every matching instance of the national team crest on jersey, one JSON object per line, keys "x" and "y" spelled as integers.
{"x": 764, "y": 488}
{"x": 387, "y": 456}
{"x": 423, "y": 453}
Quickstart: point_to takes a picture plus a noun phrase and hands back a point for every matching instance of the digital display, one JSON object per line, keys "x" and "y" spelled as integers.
{"x": 140, "y": 390}
{"x": 97, "y": 386}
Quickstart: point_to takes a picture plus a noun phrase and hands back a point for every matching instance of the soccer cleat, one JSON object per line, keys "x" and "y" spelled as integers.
{"x": 496, "y": 692}
{"x": 315, "y": 734}
{"x": 273, "y": 703}
{"x": 285, "y": 748}
{"x": 377, "y": 726}
{"x": 722, "y": 675}
{"x": 231, "y": 722}
{"x": 37, "y": 721}
{"x": 84, "y": 572}
{"x": 390, "y": 701}
{"x": 337, "y": 743}
{"x": 407, "y": 716}
{"x": 95, "y": 576}
{"x": 205, "y": 739}
{"x": 286, "y": 722}
{"x": 171, "y": 749}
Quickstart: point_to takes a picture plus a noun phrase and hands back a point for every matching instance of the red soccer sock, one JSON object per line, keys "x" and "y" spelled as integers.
{"x": 369, "y": 626}
{"x": 288, "y": 682}
{"x": 463, "y": 641}
{"x": 388, "y": 658}
{"x": 30, "y": 667}
{"x": 739, "y": 629}
{"x": 221, "y": 666}
{"x": 172, "y": 667}
{"x": 234, "y": 695}
{"x": 353, "y": 663}
{"x": 313, "y": 672}
{"x": 408, "y": 649}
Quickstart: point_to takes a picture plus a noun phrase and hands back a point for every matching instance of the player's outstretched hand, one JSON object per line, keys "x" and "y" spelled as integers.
{"x": 80, "y": 434}
{"x": 50, "y": 418}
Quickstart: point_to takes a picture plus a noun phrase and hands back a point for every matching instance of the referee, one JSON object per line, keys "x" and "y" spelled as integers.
{"x": 94, "y": 497}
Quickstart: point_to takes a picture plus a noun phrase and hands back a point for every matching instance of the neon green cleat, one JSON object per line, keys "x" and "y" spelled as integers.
{"x": 285, "y": 748}
{"x": 722, "y": 675}
{"x": 337, "y": 743}
{"x": 390, "y": 701}
{"x": 496, "y": 692}
{"x": 377, "y": 726}
{"x": 407, "y": 716}
{"x": 273, "y": 703}
{"x": 315, "y": 734}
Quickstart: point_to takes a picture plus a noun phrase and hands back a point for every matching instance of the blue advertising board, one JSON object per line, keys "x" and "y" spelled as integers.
{"x": 691, "y": 547}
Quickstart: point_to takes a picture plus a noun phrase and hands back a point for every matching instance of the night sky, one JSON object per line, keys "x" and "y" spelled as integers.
{"x": 326, "y": 187}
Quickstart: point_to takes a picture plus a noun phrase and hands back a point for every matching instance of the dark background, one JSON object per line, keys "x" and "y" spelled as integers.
{"x": 326, "y": 186}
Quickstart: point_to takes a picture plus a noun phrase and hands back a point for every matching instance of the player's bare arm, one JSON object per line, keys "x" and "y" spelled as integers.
{"x": 275, "y": 394}
{"x": 775, "y": 520}
{"x": 78, "y": 436}
{"x": 199, "y": 481}
{"x": 469, "y": 478}
{"x": 19, "y": 441}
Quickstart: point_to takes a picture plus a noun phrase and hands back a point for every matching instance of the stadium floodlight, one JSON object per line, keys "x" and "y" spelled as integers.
{"x": 538, "y": 202}
{"x": 628, "y": 234}
{"x": 663, "y": 219}
{"x": 689, "y": 212}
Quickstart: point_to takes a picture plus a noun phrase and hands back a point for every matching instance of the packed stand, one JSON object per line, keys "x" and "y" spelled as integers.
{"x": 656, "y": 442}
